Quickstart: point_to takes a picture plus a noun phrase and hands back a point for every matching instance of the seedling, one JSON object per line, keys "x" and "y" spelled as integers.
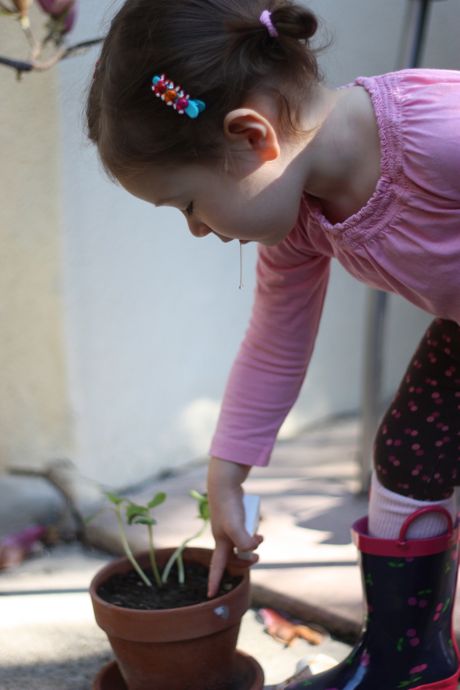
{"x": 140, "y": 515}
{"x": 137, "y": 514}
{"x": 203, "y": 514}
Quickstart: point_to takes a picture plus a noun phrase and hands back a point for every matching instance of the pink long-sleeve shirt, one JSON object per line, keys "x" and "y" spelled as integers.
{"x": 405, "y": 240}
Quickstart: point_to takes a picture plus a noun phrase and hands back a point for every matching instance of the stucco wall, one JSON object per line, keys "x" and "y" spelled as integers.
{"x": 34, "y": 412}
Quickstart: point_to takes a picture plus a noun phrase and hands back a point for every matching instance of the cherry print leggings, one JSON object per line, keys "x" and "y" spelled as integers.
{"x": 417, "y": 446}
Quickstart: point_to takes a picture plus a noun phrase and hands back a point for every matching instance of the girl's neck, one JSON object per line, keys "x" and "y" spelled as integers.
{"x": 341, "y": 156}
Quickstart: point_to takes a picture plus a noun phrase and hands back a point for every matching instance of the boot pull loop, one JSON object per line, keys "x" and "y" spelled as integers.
{"x": 424, "y": 511}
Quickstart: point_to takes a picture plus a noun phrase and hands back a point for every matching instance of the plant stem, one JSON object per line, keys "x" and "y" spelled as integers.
{"x": 153, "y": 561}
{"x": 177, "y": 556}
{"x": 128, "y": 551}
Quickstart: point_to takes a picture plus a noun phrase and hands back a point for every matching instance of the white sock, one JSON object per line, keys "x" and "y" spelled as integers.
{"x": 389, "y": 510}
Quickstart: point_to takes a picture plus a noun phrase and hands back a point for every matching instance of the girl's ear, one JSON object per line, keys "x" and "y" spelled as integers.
{"x": 251, "y": 131}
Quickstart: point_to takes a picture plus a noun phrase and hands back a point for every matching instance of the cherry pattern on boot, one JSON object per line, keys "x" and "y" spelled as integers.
{"x": 407, "y": 642}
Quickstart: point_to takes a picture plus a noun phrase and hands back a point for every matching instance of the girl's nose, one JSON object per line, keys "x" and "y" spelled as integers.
{"x": 198, "y": 229}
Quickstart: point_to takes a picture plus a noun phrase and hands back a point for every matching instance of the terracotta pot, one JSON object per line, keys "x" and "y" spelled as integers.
{"x": 189, "y": 648}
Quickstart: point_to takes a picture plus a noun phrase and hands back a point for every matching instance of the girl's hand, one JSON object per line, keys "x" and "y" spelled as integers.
{"x": 225, "y": 494}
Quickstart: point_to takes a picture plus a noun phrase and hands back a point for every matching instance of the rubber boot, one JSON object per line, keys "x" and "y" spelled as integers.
{"x": 407, "y": 641}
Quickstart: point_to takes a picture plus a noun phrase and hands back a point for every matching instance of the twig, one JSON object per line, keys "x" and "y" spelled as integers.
{"x": 35, "y": 65}
{"x": 18, "y": 65}
{"x": 83, "y": 46}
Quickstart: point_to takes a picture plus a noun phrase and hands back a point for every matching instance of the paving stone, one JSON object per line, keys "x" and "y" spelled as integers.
{"x": 50, "y": 640}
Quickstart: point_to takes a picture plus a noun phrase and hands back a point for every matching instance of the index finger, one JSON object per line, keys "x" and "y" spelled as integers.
{"x": 219, "y": 561}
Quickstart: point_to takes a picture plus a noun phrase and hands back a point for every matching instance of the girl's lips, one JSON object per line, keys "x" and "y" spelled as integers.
{"x": 222, "y": 238}
{"x": 230, "y": 239}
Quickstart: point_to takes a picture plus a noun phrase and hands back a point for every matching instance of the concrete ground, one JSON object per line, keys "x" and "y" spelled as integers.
{"x": 49, "y": 640}
{"x": 307, "y": 567}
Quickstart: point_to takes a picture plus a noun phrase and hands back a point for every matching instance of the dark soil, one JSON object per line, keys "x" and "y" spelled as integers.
{"x": 129, "y": 591}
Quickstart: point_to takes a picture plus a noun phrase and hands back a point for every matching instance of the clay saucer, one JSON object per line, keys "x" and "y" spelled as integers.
{"x": 248, "y": 675}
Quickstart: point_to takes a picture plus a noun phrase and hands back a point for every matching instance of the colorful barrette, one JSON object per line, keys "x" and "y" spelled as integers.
{"x": 176, "y": 97}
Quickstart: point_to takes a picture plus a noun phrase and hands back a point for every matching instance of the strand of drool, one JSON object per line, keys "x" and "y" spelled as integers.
{"x": 241, "y": 267}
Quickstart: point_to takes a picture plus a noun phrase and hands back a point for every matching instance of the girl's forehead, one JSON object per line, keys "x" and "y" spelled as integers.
{"x": 159, "y": 185}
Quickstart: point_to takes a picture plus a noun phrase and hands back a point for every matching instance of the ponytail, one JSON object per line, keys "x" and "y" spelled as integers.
{"x": 294, "y": 26}
{"x": 288, "y": 62}
{"x": 295, "y": 22}
{"x": 289, "y": 20}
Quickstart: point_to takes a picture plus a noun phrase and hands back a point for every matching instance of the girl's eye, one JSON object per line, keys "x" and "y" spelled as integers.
{"x": 189, "y": 209}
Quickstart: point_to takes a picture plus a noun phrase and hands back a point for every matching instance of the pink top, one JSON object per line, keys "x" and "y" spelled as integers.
{"x": 406, "y": 240}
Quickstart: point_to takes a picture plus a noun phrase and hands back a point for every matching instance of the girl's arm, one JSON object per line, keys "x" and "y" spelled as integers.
{"x": 271, "y": 364}
{"x": 264, "y": 382}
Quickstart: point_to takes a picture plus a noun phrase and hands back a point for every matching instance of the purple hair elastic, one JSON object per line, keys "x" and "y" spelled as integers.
{"x": 266, "y": 20}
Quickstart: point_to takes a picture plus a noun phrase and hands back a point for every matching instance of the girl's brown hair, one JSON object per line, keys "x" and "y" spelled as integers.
{"x": 218, "y": 50}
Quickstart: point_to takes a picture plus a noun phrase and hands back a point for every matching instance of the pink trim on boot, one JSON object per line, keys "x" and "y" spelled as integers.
{"x": 403, "y": 547}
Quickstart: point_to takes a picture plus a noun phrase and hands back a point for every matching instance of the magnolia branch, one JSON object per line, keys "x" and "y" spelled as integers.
{"x": 33, "y": 64}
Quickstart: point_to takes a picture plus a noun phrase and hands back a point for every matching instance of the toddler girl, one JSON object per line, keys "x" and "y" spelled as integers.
{"x": 217, "y": 108}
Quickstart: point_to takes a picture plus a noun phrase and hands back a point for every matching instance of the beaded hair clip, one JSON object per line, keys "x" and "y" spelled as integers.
{"x": 176, "y": 97}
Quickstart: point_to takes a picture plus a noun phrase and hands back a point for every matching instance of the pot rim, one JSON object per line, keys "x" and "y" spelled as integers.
{"x": 106, "y": 570}
{"x": 186, "y": 622}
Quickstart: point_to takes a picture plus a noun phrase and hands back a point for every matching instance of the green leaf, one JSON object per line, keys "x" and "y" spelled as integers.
{"x": 157, "y": 500}
{"x": 204, "y": 511}
{"x": 135, "y": 511}
{"x": 141, "y": 520}
{"x": 114, "y": 498}
{"x": 203, "y": 504}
